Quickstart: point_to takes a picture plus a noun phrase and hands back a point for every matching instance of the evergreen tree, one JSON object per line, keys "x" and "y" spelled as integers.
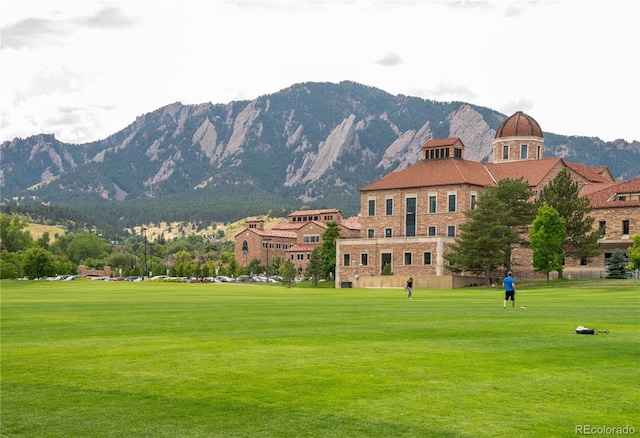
{"x": 328, "y": 248}
{"x": 581, "y": 242}
{"x": 617, "y": 266}
{"x": 547, "y": 235}
{"x": 517, "y": 196}
{"x": 485, "y": 240}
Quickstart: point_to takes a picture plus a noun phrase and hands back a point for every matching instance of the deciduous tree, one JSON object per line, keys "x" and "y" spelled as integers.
{"x": 634, "y": 253}
{"x": 547, "y": 235}
{"x": 14, "y": 234}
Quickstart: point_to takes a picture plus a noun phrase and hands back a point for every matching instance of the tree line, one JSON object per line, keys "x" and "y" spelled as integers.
{"x": 555, "y": 225}
{"x": 187, "y": 256}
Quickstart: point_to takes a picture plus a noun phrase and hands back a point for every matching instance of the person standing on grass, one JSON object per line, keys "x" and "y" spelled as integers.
{"x": 509, "y": 290}
{"x": 409, "y": 287}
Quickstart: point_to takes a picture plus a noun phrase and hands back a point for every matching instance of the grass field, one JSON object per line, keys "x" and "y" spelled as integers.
{"x": 115, "y": 359}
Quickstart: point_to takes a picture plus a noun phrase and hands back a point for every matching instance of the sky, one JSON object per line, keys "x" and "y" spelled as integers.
{"x": 84, "y": 69}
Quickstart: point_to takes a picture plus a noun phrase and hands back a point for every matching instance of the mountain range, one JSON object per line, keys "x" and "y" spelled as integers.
{"x": 310, "y": 145}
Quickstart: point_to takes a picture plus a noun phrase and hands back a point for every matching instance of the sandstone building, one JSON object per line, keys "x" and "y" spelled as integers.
{"x": 409, "y": 218}
{"x": 293, "y": 240}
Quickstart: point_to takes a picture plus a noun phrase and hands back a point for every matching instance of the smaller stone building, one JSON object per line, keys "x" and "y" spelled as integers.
{"x": 293, "y": 240}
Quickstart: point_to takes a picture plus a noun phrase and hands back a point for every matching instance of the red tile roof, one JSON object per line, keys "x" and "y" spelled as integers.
{"x": 434, "y": 173}
{"x": 533, "y": 171}
{"x": 314, "y": 212}
{"x": 440, "y": 142}
{"x": 274, "y": 233}
{"x": 594, "y": 174}
{"x": 607, "y": 195}
{"x": 450, "y": 171}
{"x": 352, "y": 223}
{"x": 301, "y": 247}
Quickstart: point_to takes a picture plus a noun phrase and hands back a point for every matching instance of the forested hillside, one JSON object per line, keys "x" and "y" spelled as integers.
{"x": 310, "y": 145}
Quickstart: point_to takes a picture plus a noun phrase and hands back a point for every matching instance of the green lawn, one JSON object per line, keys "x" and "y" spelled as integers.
{"x": 113, "y": 359}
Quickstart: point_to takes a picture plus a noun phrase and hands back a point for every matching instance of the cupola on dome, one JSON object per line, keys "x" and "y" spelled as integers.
{"x": 519, "y": 125}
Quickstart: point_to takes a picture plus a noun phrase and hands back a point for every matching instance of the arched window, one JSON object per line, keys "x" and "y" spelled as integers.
{"x": 245, "y": 245}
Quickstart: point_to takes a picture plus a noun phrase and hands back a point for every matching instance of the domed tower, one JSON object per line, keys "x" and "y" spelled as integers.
{"x": 518, "y": 138}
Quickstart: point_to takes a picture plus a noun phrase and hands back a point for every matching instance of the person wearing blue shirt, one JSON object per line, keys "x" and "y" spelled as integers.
{"x": 509, "y": 290}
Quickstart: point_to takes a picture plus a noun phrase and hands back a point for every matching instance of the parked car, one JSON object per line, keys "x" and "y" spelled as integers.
{"x": 223, "y": 278}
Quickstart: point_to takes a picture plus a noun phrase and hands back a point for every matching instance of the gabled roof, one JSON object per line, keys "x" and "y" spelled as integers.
{"x": 533, "y": 171}
{"x": 593, "y": 174}
{"x": 607, "y": 195}
{"x": 352, "y": 223}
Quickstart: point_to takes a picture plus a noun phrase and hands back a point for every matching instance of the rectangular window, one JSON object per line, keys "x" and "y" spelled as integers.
{"x": 346, "y": 260}
{"x": 625, "y": 227}
{"x": 385, "y": 259}
{"x": 523, "y": 151}
{"x": 505, "y": 152}
{"x": 388, "y": 232}
{"x": 389, "y": 203}
{"x": 364, "y": 259}
{"x": 451, "y": 231}
{"x": 407, "y": 259}
{"x": 452, "y": 203}
{"x": 474, "y": 199}
{"x": 427, "y": 258}
{"x": 371, "y": 233}
{"x": 311, "y": 239}
{"x": 433, "y": 204}
{"x": 410, "y": 220}
{"x": 603, "y": 224}
{"x": 372, "y": 207}
{"x": 539, "y": 153}
{"x": 432, "y": 231}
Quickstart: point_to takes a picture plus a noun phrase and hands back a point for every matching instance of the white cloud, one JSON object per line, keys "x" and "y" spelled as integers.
{"x": 84, "y": 69}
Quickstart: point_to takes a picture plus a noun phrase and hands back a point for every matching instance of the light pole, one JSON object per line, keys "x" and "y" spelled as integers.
{"x": 151, "y": 261}
{"x": 144, "y": 236}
